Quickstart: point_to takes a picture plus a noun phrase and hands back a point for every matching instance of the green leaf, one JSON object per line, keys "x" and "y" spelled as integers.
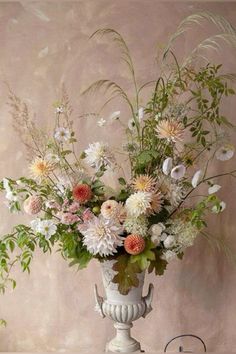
{"x": 143, "y": 259}
{"x": 122, "y": 181}
{"x": 159, "y": 264}
{"x": 126, "y": 276}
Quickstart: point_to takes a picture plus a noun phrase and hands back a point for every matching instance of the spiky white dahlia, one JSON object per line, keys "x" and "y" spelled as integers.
{"x": 138, "y": 203}
{"x": 170, "y": 129}
{"x": 98, "y": 155}
{"x": 102, "y": 236}
{"x": 41, "y": 168}
{"x": 144, "y": 183}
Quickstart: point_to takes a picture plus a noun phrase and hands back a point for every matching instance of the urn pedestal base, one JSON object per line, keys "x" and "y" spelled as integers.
{"x": 123, "y": 342}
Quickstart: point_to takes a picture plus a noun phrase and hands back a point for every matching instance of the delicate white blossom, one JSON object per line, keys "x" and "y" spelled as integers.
{"x": 45, "y": 227}
{"x": 140, "y": 114}
{"x": 62, "y": 134}
{"x": 98, "y": 155}
{"x": 138, "y": 203}
{"x": 225, "y": 152}
{"x": 213, "y": 189}
{"x": 170, "y": 241}
{"x": 131, "y": 124}
{"x": 59, "y": 109}
{"x": 114, "y": 116}
{"x": 167, "y": 165}
{"x": 157, "y": 229}
{"x": 169, "y": 255}
{"x": 11, "y": 196}
{"x": 101, "y": 122}
{"x": 178, "y": 172}
{"x": 101, "y": 236}
{"x": 196, "y": 178}
{"x": 218, "y": 209}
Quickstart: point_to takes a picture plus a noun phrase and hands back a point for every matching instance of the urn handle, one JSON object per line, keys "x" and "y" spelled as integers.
{"x": 99, "y": 301}
{"x": 148, "y": 300}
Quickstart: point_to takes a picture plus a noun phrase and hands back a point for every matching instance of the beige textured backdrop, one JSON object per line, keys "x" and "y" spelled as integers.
{"x": 43, "y": 44}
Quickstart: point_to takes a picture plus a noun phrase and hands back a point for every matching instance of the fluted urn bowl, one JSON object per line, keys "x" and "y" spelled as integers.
{"x": 122, "y": 309}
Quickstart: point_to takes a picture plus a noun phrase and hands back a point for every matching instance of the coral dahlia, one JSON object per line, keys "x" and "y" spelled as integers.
{"x": 134, "y": 244}
{"x": 82, "y": 193}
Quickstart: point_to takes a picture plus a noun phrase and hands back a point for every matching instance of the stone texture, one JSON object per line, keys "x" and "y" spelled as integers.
{"x": 44, "y": 44}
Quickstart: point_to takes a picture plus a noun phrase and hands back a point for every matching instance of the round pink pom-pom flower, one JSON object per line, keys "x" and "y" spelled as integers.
{"x": 33, "y": 205}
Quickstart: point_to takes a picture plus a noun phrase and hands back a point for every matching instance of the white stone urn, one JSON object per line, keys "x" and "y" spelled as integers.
{"x": 122, "y": 309}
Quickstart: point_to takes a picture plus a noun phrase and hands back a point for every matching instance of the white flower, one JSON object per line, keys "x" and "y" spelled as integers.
{"x": 213, "y": 189}
{"x": 11, "y": 196}
{"x": 137, "y": 226}
{"x": 62, "y": 134}
{"x": 178, "y": 172}
{"x": 169, "y": 241}
{"x": 225, "y": 152}
{"x": 196, "y": 178}
{"x": 167, "y": 165}
{"x": 59, "y": 109}
{"x": 101, "y": 236}
{"x": 45, "y": 227}
{"x": 98, "y": 155}
{"x": 169, "y": 255}
{"x": 138, "y": 203}
{"x": 157, "y": 229}
{"x": 109, "y": 209}
{"x": 131, "y": 124}
{"x": 101, "y": 122}
{"x": 114, "y": 116}
{"x": 140, "y": 114}
{"x": 215, "y": 209}
{"x": 155, "y": 240}
{"x": 6, "y": 184}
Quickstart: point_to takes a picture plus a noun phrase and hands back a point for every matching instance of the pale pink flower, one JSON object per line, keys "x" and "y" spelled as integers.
{"x": 33, "y": 205}
{"x": 87, "y": 215}
{"x": 74, "y": 207}
{"x": 68, "y": 218}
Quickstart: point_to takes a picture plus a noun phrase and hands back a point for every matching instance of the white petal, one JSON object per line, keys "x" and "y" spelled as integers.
{"x": 196, "y": 178}
{"x": 178, "y": 172}
{"x": 167, "y": 165}
{"x": 213, "y": 189}
{"x": 140, "y": 114}
{"x": 115, "y": 115}
{"x": 219, "y": 210}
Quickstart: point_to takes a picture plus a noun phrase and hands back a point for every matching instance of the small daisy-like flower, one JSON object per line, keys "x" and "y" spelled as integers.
{"x": 196, "y": 178}
{"x": 170, "y": 129}
{"x": 62, "y": 134}
{"x": 178, "y": 172}
{"x": 101, "y": 236}
{"x": 82, "y": 193}
{"x": 138, "y": 203}
{"x": 59, "y": 109}
{"x": 144, "y": 183}
{"x": 214, "y": 189}
{"x": 225, "y": 152}
{"x": 101, "y": 122}
{"x": 41, "y": 168}
{"x": 33, "y": 205}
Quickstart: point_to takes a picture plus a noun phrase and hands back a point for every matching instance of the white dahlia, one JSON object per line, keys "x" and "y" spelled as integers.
{"x": 109, "y": 209}
{"x": 102, "y": 236}
{"x": 138, "y": 203}
{"x": 98, "y": 155}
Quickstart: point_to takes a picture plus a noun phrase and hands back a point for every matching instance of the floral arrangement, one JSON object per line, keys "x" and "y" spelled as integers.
{"x": 169, "y": 144}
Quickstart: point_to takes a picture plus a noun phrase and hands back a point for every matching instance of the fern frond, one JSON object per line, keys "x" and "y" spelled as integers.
{"x": 212, "y": 43}
{"x": 196, "y": 19}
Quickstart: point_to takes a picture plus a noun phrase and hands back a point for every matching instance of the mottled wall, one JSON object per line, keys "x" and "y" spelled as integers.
{"x": 43, "y": 44}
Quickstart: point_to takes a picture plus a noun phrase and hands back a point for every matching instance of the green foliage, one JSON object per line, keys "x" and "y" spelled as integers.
{"x": 3, "y": 323}
{"x": 158, "y": 264}
{"x": 126, "y": 276}
{"x": 143, "y": 259}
